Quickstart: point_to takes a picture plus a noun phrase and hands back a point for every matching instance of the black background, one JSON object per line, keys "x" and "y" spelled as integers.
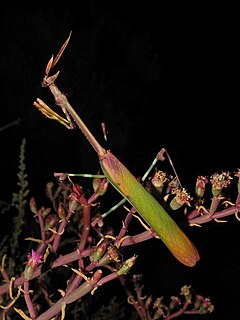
{"x": 158, "y": 77}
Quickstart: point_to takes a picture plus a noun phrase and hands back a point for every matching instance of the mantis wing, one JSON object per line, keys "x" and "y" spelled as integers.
{"x": 150, "y": 210}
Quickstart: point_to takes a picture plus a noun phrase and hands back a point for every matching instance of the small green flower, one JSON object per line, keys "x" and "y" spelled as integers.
{"x": 181, "y": 198}
{"x": 200, "y": 186}
{"x": 159, "y": 179}
{"x": 186, "y": 292}
{"x": 127, "y": 265}
{"x": 206, "y": 306}
{"x": 219, "y": 182}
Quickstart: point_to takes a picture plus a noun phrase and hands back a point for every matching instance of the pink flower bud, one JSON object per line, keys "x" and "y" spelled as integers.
{"x": 100, "y": 187}
{"x": 200, "y": 186}
{"x": 98, "y": 252}
{"x": 34, "y": 260}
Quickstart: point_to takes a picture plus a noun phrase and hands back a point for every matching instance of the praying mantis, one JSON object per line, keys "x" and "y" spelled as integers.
{"x": 120, "y": 177}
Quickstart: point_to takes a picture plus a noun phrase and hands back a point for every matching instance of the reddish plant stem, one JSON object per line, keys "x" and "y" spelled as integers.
{"x": 68, "y": 258}
{"x": 125, "y": 227}
{"x": 41, "y": 223}
{"x": 219, "y": 214}
{"x": 179, "y": 312}
{"x": 60, "y": 231}
{"x": 141, "y": 310}
{"x": 76, "y": 255}
{"x": 143, "y": 236}
{"x": 28, "y": 300}
{"x": 85, "y": 288}
{"x": 86, "y": 209}
{"x": 214, "y": 204}
{"x": 86, "y": 225}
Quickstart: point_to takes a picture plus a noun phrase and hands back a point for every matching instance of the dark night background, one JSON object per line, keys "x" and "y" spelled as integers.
{"x": 157, "y": 80}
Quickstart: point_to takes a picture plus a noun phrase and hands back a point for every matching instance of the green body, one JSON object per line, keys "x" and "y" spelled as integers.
{"x": 149, "y": 209}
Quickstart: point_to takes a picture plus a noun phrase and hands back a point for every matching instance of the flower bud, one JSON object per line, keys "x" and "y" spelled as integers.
{"x": 73, "y": 203}
{"x": 45, "y": 211}
{"x": 186, "y": 292}
{"x": 104, "y": 260}
{"x": 198, "y": 301}
{"x": 175, "y": 302}
{"x": 100, "y": 187}
{"x": 206, "y": 306}
{"x": 158, "y": 180}
{"x": 98, "y": 252}
{"x": 50, "y": 221}
{"x": 49, "y": 189}
{"x": 158, "y": 314}
{"x": 181, "y": 198}
{"x": 34, "y": 260}
{"x": 61, "y": 212}
{"x": 32, "y": 204}
{"x": 200, "y": 186}
{"x": 219, "y": 182}
{"x": 148, "y": 301}
{"x": 127, "y": 265}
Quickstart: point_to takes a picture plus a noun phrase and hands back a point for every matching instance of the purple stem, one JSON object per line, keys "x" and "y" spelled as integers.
{"x": 86, "y": 226}
{"x": 41, "y": 223}
{"x": 214, "y": 204}
{"x": 143, "y": 314}
{"x": 219, "y": 214}
{"x": 28, "y": 300}
{"x": 76, "y": 255}
{"x": 194, "y": 213}
{"x": 179, "y": 312}
{"x": 125, "y": 227}
{"x": 85, "y": 288}
{"x": 68, "y": 258}
{"x": 61, "y": 228}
